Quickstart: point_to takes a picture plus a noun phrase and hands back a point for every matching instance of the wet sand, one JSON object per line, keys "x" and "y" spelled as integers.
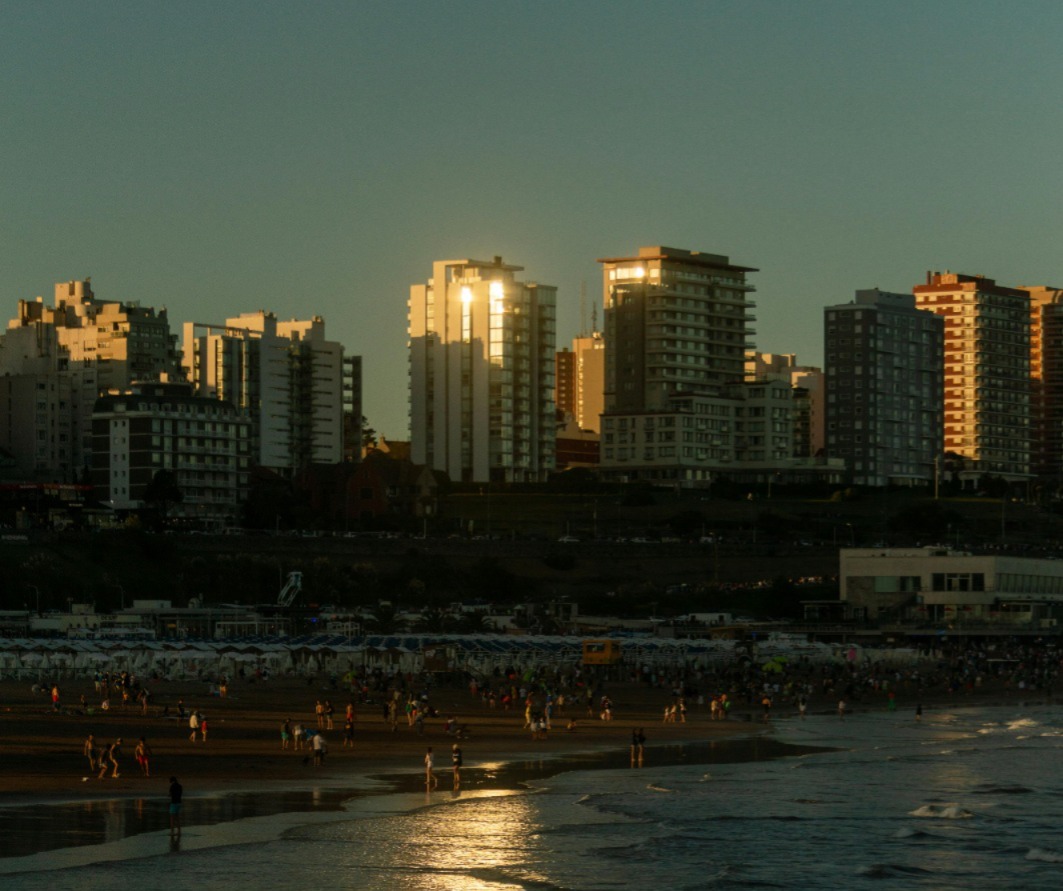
{"x": 241, "y": 771}
{"x": 50, "y": 801}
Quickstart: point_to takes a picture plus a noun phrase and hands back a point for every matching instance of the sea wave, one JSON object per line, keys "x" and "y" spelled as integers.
{"x": 942, "y": 812}
{"x": 1044, "y": 855}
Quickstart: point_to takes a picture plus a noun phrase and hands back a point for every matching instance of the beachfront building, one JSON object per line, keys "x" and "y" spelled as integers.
{"x": 884, "y": 370}
{"x": 287, "y": 376}
{"x": 987, "y": 406}
{"x": 56, "y": 360}
{"x": 482, "y": 373}
{"x": 935, "y": 585}
{"x": 204, "y": 444}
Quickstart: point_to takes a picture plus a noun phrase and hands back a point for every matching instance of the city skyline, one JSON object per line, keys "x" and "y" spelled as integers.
{"x": 215, "y": 160}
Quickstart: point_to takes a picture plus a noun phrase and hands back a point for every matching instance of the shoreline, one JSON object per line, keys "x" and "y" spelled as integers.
{"x": 254, "y": 816}
{"x": 47, "y": 812}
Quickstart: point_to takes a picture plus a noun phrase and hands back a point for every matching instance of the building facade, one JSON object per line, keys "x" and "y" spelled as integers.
{"x": 884, "y": 379}
{"x": 482, "y": 373}
{"x": 809, "y": 398}
{"x": 987, "y": 372}
{"x": 953, "y": 589}
{"x": 288, "y": 376}
{"x": 675, "y": 321}
{"x": 580, "y": 382}
{"x": 1046, "y": 382}
{"x": 68, "y": 354}
{"x": 204, "y": 442}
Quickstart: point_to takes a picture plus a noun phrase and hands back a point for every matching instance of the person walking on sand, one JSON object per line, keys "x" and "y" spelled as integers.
{"x": 193, "y": 725}
{"x": 319, "y": 710}
{"x": 143, "y": 756}
{"x": 286, "y": 732}
{"x": 113, "y": 754}
{"x": 330, "y": 710}
{"x": 176, "y": 791}
{"x": 203, "y": 727}
{"x": 431, "y": 781}
{"x": 456, "y": 760}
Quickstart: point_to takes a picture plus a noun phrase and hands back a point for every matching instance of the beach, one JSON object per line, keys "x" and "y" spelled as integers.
{"x": 242, "y": 789}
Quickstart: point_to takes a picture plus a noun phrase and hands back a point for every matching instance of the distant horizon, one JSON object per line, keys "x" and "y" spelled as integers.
{"x": 215, "y": 159}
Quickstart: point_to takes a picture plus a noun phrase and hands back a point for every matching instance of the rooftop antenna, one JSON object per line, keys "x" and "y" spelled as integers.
{"x": 583, "y": 308}
{"x": 594, "y": 319}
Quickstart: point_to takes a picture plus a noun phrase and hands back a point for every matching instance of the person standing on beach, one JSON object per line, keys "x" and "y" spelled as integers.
{"x": 919, "y": 711}
{"x": 203, "y": 727}
{"x": 286, "y": 732}
{"x": 176, "y": 791}
{"x": 143, "y": 756}
{"x": 348, "y": 733}
{"x": 841, "y": 708}
{"x": 319, "y": 710}
{"x": 330, "y": 710}
{"x": 193, "y": 725}
{"x": 456, "y": 760}
{"x": 320, "y": 749}
{"x": 90, "y": 751}
{"x": 430, "y": 780}
{"x": 114, "y": 753}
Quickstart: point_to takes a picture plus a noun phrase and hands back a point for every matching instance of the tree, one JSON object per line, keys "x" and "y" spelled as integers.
{"x": 162, "y": 493}
{"x": 369, "y": 438}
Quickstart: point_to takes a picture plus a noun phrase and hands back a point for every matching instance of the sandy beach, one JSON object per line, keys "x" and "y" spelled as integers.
{"x": 242, "y": 771}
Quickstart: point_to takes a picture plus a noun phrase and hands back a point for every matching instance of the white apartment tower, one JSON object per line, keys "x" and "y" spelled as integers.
{"x": 482, "y": 372}
{"x": 287, "y": 375}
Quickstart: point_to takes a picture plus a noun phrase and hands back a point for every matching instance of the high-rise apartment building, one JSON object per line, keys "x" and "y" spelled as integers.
{"x": 884, "y": 369}
{"x": 987, "y": 372}
{"x": 287, "y": 375}
{"x": 675, "y": 321}
{"x": 482, "y": 372}
{"x": 68, "y": 354}
{"x": 580, "y": 381}
{"x": 1046, "y": 373}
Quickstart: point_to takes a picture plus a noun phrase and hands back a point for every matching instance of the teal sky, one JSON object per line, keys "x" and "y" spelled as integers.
{"x": 218, "y": 158}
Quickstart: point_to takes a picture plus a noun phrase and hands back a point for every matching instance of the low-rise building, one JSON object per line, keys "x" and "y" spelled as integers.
{"x": 935, "y": 585}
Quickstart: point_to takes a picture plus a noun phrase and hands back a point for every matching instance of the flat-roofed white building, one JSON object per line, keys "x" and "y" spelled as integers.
{"x": 287, "y": 375}
{"x": 938, "y": 585}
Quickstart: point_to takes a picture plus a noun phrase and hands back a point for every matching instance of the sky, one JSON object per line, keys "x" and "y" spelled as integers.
{"x": 315, "y": 158}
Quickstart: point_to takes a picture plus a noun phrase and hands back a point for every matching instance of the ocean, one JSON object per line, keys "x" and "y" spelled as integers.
{"x": 965, "y": 799}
